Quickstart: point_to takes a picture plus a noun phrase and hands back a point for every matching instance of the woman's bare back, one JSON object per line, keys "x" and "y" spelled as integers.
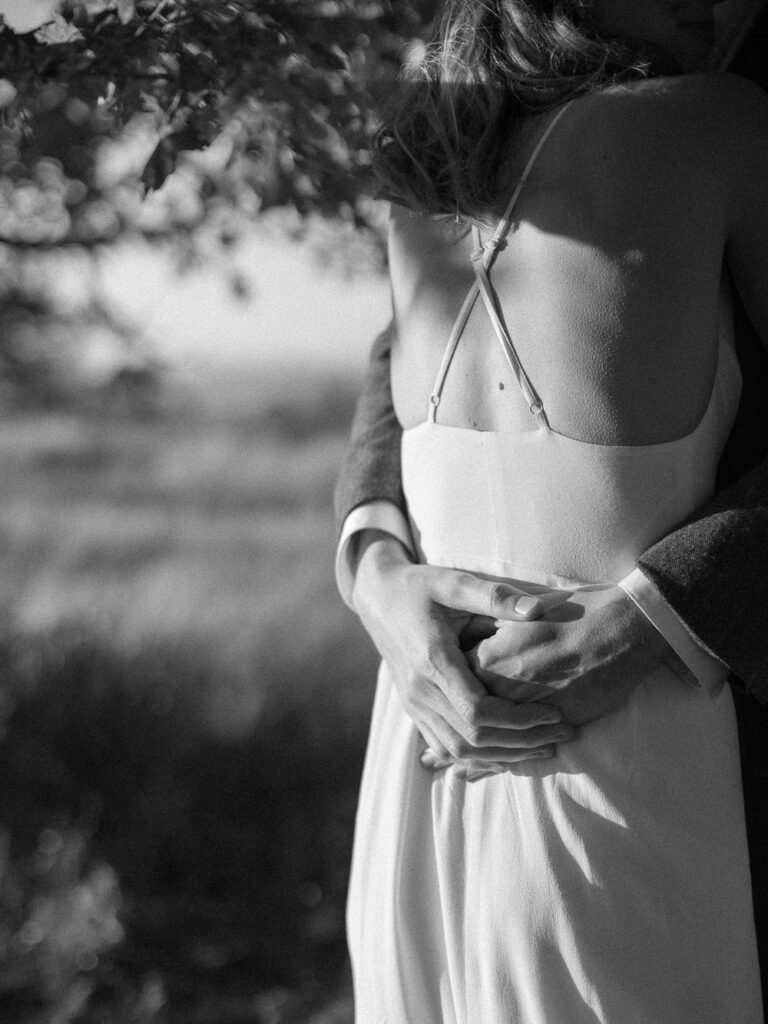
{"x": 609, "y": 281}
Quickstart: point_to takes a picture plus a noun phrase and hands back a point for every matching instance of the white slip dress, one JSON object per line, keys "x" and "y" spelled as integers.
{"x": 610, "y": 884}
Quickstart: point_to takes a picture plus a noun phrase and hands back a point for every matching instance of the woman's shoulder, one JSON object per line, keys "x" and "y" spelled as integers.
{"x": 692, "y": 104}
{"x": 704, "y": 121}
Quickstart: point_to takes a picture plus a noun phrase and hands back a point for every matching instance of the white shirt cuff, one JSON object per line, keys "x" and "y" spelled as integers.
{"x": 374, "y": 515}
{"x": 706, "y": 670}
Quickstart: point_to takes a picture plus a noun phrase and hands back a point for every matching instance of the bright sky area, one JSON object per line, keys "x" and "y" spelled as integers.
{"x": 297, "y": 313}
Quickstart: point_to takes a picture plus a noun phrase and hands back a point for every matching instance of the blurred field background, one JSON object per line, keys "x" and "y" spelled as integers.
{"x": 185, "y": 698}
{"x": 190, "y": 279}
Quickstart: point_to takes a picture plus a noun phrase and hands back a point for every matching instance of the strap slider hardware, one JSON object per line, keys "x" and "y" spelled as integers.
{"x": 493, "y": 245}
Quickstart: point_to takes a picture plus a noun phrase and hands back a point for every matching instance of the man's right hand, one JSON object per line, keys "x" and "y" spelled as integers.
{"x": 415, "y": 615}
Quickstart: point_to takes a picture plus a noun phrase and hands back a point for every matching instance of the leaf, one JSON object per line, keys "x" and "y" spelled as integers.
{"x": 7, "y": 93}
{"x": 24, "y": 17}
{"x": 94, "y": 7}
{"x": 57, "y": 32}
{"x": 126, "y": 10}
{"x": 160, "y": 165}
{"x": 288, "y": 75}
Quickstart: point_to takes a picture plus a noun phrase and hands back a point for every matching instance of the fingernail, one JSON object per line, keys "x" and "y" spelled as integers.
{"x": 527, "y": 605}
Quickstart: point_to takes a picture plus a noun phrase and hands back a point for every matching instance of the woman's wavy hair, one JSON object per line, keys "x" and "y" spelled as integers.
{"x": 440, "y": 148}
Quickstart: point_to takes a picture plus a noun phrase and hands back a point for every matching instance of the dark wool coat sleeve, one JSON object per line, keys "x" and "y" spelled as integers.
{"x": 371, "y": 467}
{"x": 714, "y": 572}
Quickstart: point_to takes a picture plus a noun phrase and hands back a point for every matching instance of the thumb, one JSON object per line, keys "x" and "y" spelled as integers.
{"x": 462, "y": 591}
{"x": 534, "y": 606}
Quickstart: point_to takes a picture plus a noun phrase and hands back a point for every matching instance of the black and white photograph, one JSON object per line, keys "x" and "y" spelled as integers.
{"x": 384, "y": 511}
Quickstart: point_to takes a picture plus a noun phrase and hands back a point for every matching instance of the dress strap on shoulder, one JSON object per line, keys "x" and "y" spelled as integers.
{"x": 483, "y": 256}
{"x": 502, "y": 229}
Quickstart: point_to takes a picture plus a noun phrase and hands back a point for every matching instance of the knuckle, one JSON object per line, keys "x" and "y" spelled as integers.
{"x": 500, "y": 660}
{"x": 528, "y": 742}
{"x": 458, "y": 748}
{"x": 497, "y": 594}
{"x": 527, "y": 721}
{"x": 486, "y": 656}
{"x": 433, "y": 660}
{"x": 483, "y": 736}
{"x": 473, "y": 715}
{"x": 409, "y": 686}
{"x": 474, "y": 736}
{"x": 515, "y": 668}
{"x": 545, "y": 735}
{"x": 415, "y": 696}
{"x": 424, "y": 669}
{"x": 411, "y": 706}
{"x": 486, "y": 737}
{"x": 456, "y": 586}
{"x": 418, "y": 583}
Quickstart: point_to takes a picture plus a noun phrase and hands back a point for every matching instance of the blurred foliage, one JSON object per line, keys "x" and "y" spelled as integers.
{"x": 270, "y": 102}
{"x": 182, "y": 742}
{"x": 40, "y": 346}
{"x": 178, "y": 121}
{"x": 183, "y": 733}
{"x": 58, "y": 916}
{"x": 154, "y": 862}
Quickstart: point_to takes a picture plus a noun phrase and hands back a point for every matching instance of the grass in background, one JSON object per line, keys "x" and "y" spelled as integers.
{"x": 185, "y": 703}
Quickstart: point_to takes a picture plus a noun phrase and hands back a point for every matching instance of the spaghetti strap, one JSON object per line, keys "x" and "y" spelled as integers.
{"x": 483, "y": 257}
{"x": 523, "y": 380}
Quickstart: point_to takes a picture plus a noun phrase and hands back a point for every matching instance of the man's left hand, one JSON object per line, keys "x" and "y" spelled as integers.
{"x": 585, "y": 657}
